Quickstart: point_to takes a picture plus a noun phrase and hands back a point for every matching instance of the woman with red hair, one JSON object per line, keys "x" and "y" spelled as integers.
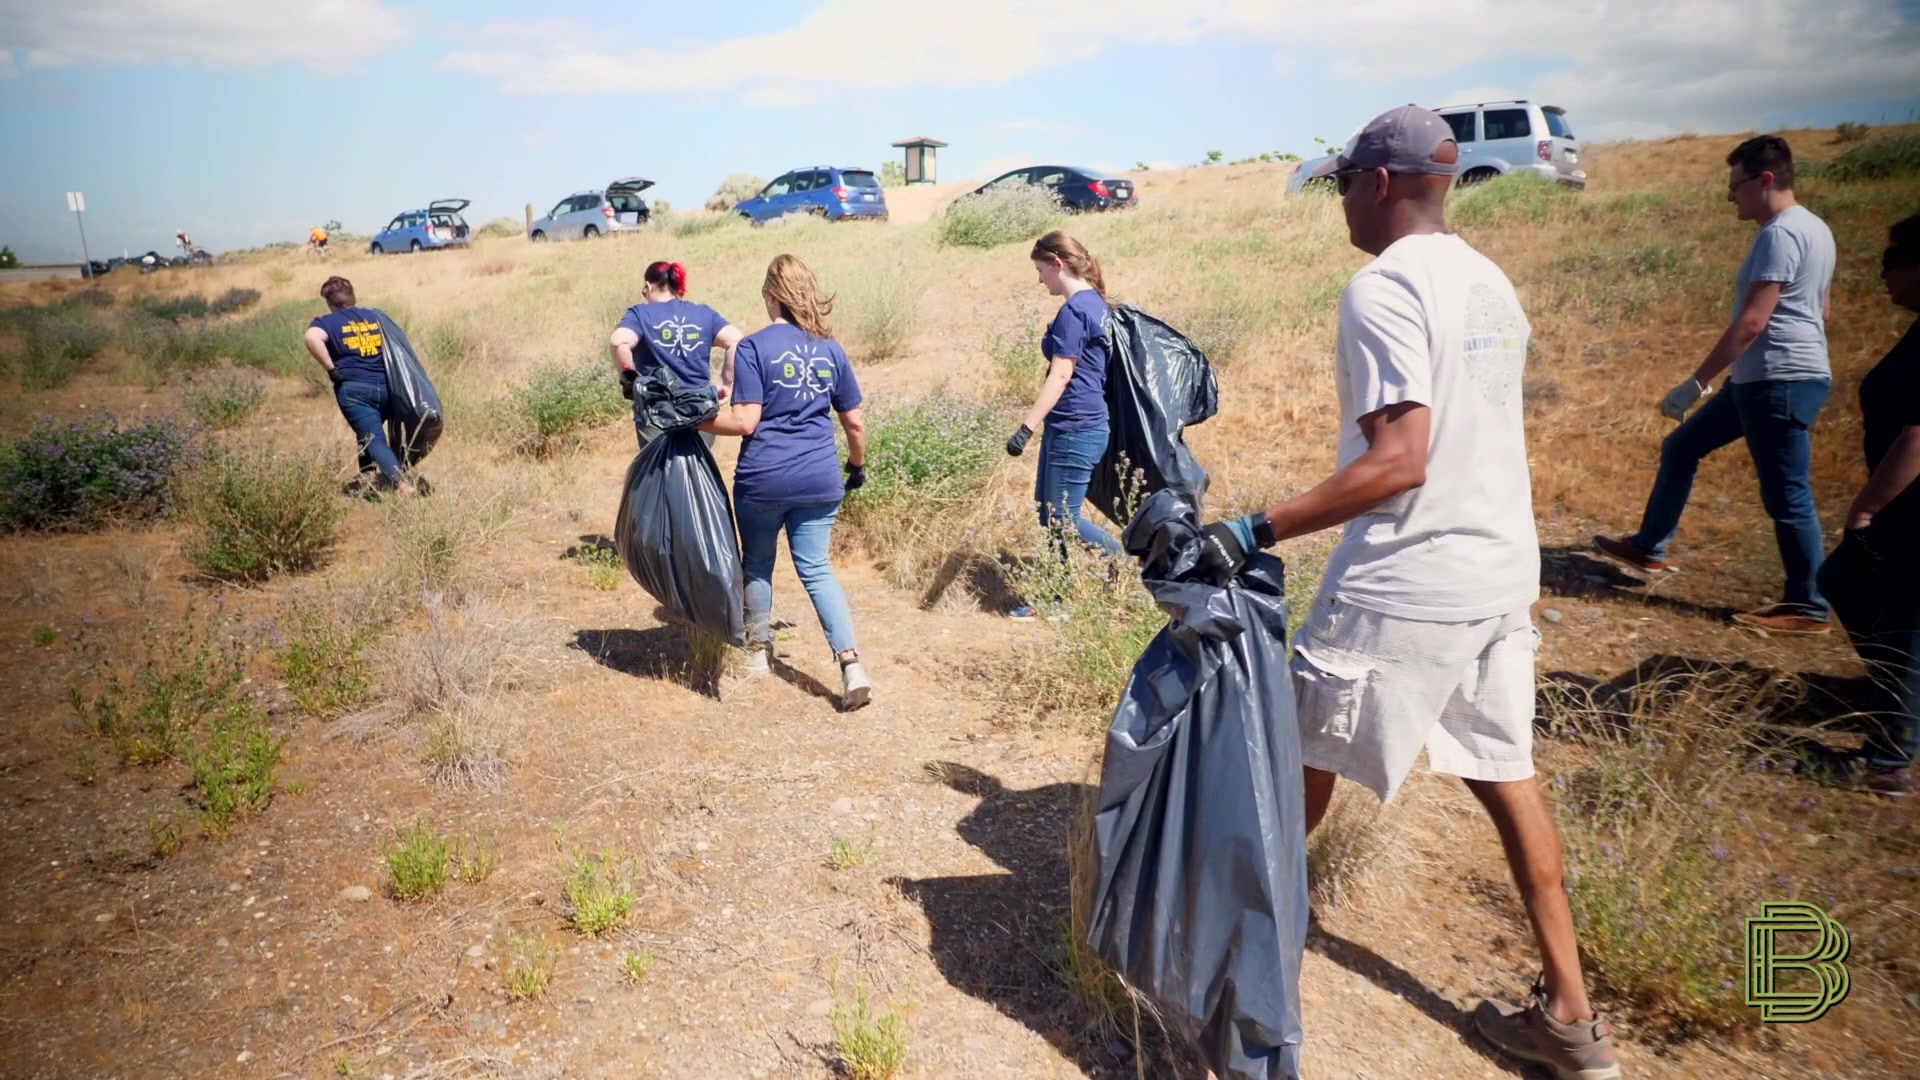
{"x": 668, "y": 330}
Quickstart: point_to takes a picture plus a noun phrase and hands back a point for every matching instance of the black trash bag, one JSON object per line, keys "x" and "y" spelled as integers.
{"x": 1158, "y": 382}
{"x": 1202, "y": 898}
{"x": 675, "y": 528}
{"x": 414, "y": 418}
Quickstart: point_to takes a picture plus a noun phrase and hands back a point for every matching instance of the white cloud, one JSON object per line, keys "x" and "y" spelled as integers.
{"x": 1641, "y": 64}
{"x": 321, "y": 34}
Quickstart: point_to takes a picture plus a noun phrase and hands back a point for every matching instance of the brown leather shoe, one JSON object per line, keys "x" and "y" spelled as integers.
{"x": 1783, "y": 619}
{"x": 1623, "y": 551}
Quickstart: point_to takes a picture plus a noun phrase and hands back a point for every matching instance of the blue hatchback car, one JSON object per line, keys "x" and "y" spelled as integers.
{"x": 823, "y": 191}
{"x": 438, "y": 226}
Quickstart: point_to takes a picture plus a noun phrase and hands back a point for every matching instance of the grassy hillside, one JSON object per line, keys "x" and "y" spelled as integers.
{"x": 221, "y": 676}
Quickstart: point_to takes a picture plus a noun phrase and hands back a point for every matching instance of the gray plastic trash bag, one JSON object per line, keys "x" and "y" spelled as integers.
{"x": 1202, "y": 899}
{"x": 675, "y": 528}
{"x": 1158, "y": 382}
{"x": 414, "y": 419}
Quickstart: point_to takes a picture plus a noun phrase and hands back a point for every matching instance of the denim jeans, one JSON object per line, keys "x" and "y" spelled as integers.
{"x": 1067, "y": 460}
{"x": 364, "y": 404}
{"x": 1874, "y": 585}
{"x": 809, "y": 532}
{"x": 1774, "y": 418}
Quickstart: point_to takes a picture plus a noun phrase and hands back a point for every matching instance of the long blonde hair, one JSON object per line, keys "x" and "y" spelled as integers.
{"x": 792, "y": 286}
{"x": 1073, "y": 255}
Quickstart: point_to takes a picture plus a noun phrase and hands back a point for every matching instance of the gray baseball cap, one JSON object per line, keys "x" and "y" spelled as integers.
{"x": 1401, "y": 140}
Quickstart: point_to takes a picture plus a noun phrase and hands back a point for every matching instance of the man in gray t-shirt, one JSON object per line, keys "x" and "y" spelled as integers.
{"x": 1795, "y": 251}
{"x": 1776, "y": 345}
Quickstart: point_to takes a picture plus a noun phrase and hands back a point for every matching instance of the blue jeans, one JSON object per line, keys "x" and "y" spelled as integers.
{"x": 364, "y": 404}
{"x": 1067, "y": 460}
{"x": 1774, "y": 418}
{"x": 1875, "y": 588}
{"x": 809, "y": 532}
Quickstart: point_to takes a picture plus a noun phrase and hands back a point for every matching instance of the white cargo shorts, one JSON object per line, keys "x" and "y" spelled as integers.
{"x": 1372, "y": 690}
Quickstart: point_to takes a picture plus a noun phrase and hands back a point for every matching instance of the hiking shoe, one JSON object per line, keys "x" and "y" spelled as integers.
{"x": 1783, "y": 619}
{"x": 1582, "y": 1050}
{"x": 855, "y": 689}
{"x": 1623, "y": 551}
{"x": 1023, "y": 613}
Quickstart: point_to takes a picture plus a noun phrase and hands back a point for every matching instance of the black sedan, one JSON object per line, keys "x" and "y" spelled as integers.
{"x": 1077, "y": 189}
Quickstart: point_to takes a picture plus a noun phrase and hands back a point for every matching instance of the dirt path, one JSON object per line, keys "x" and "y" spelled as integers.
{"x": 243, "y": 957}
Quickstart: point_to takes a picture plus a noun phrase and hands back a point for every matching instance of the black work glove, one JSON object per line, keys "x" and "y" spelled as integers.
{"x": 1019, "y": 441}
{"x": 1226, "y": 546}
{"x": 856, "y": 477}
{"x": 628, "y": 377}
{"x": 334, "y": 376}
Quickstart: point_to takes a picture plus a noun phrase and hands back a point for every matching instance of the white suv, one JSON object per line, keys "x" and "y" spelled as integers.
{"x": 1501, "y": 137}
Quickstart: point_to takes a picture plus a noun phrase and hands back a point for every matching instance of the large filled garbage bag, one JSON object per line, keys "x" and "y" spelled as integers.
{"x": 1202, "y": 896}
{"x": 675, "y": 529}
{"x": 414, "y": 418}
{"x": 1158, "y": 382}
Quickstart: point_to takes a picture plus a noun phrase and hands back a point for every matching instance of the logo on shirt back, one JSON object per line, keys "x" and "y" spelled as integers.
{"x": 362, "y": 337}
{"x": 1495, "y": 343}
{"x": 807, "y": 370}
{"x": 674, "y": 336}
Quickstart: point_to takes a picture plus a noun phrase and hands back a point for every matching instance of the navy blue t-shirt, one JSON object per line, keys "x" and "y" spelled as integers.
{"x": 678, "y": 335}
{"x": 1080, "y": 331}
{"x": 799, "y": 382}
{"x": 354, "y": 343}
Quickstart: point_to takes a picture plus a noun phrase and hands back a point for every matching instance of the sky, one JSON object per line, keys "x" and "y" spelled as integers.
{"x": 245, "y": 125}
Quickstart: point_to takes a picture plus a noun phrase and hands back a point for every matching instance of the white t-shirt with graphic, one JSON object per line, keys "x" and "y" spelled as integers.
{"x": 1435, "y": 322}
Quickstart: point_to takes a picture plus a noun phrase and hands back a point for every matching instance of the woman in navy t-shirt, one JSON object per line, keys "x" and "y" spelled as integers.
{"x": 791, "y": 380}
{"x": 348, "y": 343}
{"x": 669, "y": 331}
{"x": 1073, "y": 401}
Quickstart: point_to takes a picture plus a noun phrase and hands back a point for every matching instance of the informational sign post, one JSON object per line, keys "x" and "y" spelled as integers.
{"x": 77, "y": 202}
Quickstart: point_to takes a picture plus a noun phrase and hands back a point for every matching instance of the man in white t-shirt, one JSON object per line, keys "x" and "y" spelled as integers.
{"x": 1421, "y": 637}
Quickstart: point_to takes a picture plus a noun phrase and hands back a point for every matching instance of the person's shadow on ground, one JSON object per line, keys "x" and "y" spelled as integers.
{"x": 1001, "y": 937}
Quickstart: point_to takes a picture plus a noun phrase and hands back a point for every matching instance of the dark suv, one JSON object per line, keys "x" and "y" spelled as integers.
{"x": 824, "y": 191}
{"x": 1076, "y": 189}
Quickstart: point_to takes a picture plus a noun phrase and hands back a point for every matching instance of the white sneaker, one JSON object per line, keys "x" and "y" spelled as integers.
{"x": 756, "y": 664}
{"x": 855, "y": 690}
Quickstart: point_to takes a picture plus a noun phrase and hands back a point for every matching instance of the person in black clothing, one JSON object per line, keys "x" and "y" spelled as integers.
{"x": 1873, "y": 578}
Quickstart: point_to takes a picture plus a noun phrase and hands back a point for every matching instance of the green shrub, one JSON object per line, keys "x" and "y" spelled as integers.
{"x": 1020, "y": 364}
{"x": 1516, "y": 198}
{"x": 176, "y": 309}
{"x": 603, "y": 567}
{"x": 146, "y": 701}
{"x": 1881, "y": 159}
{"x": 599, "y": 892}
{"x": 1850, "y": 131}
{"x": 89, "y": 473}
{"x": 323, "y": 654}
{"x": 558, "y": 402}
{"x": 60, "y": 342}
{"x": 233, "y": 759}
{"x": 1098, "y": 622}
{"x": 270, "y": 340}
{"x": 419, "y": 861}
{"x": 1021, "y": 213}
{"x": 253, "y": 514}
{"x": 222, "y": 397}
{"x": 233, "y": 300}
{"x": 935, "y": 450}
{"x": 869, "y": 1047}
